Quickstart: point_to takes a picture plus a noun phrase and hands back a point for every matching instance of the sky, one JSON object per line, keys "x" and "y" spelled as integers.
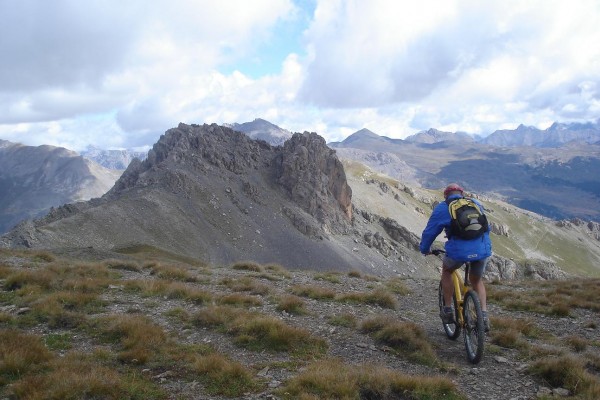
{"x": 119, "y": 73}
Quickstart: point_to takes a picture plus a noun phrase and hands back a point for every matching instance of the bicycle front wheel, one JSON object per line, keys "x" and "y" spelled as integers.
{"x": 452, "y": 330}
{"x": 474, "y": 330}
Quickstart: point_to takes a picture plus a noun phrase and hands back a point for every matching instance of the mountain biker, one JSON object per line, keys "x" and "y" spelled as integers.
{"x": 458, "y": 251}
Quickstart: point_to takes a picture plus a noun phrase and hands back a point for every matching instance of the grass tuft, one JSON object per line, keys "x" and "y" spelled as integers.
{"x": 347, "y": 320}
{"x": 246, "y": 284}
{"x": 77, "y": 376}
{"x": 292, "y": 305}
{"x": 568, "y": 372}
{"x": 140, "y": 340}
{"x": 247, "y": 266}
{"x": 223, "y": 376}
{"x": 20, "y": 353}
{"x": 260, "y": 332}
{"x": 406, "y": 338}
{"x": 379, "y": 297}
{"x": 313, "y": 292}
{"x": 332, "y": 379}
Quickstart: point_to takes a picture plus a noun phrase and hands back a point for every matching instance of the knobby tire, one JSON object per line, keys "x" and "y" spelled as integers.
{"x": 452, "y": 330}
{"x": 474, "y": 329}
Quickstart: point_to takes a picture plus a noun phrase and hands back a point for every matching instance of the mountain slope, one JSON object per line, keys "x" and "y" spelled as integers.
{"x": 34, "y": 179}
{"x": 213, "y": 193}
{"x": 532, "y": 178}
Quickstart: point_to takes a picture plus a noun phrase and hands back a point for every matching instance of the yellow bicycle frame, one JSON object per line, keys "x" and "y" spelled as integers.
{"x": 460, "y": 289}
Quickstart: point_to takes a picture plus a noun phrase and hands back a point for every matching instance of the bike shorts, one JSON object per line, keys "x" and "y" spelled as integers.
{"x": 477, "y": 267}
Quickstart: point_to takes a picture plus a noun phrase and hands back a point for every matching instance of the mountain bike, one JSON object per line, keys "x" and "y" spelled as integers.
{"x": 468, "y": 316}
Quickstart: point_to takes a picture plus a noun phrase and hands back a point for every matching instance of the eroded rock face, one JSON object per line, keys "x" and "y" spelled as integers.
{"x": 315, "y": 179}
{"x": 499, "y": 229}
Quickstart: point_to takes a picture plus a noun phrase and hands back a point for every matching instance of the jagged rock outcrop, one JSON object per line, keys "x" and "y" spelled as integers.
{"x": 499, "y": 229}
{"x": 500, "y": 268}
{"x": 400, "y": 234}
{"x": 315, "y": 179}
{"x": 542, "y": 270}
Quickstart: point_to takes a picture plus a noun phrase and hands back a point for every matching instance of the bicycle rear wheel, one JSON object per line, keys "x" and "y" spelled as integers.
{"x": 474, "y": 330}
{"x": 452, "y": 330}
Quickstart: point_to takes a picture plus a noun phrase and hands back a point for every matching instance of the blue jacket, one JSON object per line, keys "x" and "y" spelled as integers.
{"x": 456, "y": 249}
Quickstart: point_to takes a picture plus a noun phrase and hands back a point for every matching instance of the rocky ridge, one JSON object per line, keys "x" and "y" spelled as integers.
{"x": 213, "y": 193}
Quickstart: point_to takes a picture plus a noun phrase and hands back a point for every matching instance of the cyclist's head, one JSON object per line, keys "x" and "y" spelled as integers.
{"x": 453, "y": 188}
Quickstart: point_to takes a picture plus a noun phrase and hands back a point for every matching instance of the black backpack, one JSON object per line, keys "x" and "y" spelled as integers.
{"x": 467, "y": 220}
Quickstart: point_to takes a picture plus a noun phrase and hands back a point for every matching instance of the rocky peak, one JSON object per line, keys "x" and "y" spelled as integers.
{"x": 304, "y": 167}
{"x": 197, "y": 149}
{"x": 314, "y": 177}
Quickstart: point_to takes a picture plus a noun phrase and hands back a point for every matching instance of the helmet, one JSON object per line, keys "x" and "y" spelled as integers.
{"x": 453, "y": 187}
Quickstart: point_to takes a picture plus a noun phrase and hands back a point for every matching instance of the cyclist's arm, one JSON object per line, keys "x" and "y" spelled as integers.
{"x": 437, "y": 222}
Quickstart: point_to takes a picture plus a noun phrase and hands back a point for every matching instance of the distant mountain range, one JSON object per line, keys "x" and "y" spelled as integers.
{"x": 34, "y": 179}
{"x": 556, "y": 135}
{"x": 112, "y": 159}
{"x": 532, "y": 168}
{"x": 262, "y": 130}
{"x": 554, "y": 172}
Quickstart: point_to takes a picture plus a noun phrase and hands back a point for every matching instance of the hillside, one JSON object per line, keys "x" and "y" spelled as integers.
{"x": 529, "y": 177}
{"x": 211, "y": 193}
{"x": 157, "y": 325}
{"x": 34, "y": 179}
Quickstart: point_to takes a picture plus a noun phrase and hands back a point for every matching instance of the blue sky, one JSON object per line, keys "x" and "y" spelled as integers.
{"x": 118, "y": 74}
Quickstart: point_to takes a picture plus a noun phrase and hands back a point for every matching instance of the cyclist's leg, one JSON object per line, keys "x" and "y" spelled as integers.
{"x": 448, "y": 266}
{"x": 475, "y": 274}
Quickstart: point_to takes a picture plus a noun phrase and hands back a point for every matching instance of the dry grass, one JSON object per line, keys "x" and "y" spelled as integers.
{"x": 20, "y": 354}
{"x": 247, "y": 266}
{"x": 555, "y": 298}
{"x": 139, "y": 339}
{"x": 379, "y": 297}
{"x": 333, "y": 379}
{"x": 260, "y": 332}
{"x": 239, "y": 299}
{"x": 354, "y": 274}
{"x": 277, "y": 270}
{"x": 171, "y": 272}
{"x": 567, "y": 372}
{"x": 223, "y": 376}
{"x": 332, "y": 277}
{"x": 511, "y": 332}
{"x": 347, "y": 320}
{"x": 397, "y": 286}
{"x": 132, "y": 266}
{"x": 292, "y": 305}
{"x": 406, "y": 338}
{"x": 77, "y": 376}
{"x": 172, "y": 290}
{"x": 313, "y": 292}
{"x": 246, "y": 284}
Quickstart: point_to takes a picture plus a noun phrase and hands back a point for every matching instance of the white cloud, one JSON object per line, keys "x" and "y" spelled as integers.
{"x": 119, "y": 74}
